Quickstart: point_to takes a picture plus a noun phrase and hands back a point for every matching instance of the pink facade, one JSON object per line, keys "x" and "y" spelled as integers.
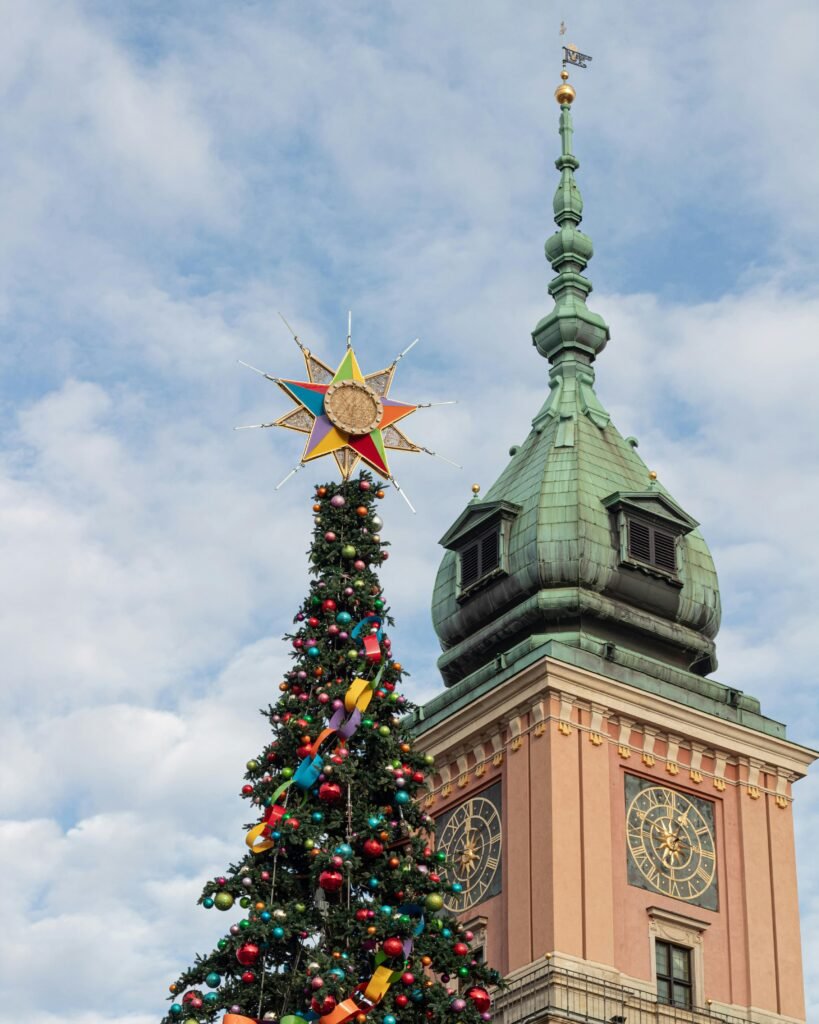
{"x": 565, "y": 888}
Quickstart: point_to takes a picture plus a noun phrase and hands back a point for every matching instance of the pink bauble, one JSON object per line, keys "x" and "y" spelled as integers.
{"x": 337, "y": 501}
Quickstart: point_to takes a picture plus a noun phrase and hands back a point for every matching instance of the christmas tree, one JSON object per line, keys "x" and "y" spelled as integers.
{"x": 340, "y": 893}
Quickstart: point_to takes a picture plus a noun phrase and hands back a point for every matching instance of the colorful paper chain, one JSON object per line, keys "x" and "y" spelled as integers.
{"x": 356, "y": 701}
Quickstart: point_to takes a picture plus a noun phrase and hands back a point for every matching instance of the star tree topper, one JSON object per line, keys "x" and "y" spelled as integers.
{"x": 346, "y": 414}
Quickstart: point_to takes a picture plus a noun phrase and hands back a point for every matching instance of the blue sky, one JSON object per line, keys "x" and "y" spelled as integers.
{"x": 173, "y": 175}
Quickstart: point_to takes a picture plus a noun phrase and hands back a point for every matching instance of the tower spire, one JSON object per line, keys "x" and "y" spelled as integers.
{"x": 571, "y": 329}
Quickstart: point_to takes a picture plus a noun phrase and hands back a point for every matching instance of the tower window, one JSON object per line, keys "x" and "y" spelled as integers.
{"x": 649, "y": 544}
{"x": 480, "y": 558}
{"x": 673, "y": 974}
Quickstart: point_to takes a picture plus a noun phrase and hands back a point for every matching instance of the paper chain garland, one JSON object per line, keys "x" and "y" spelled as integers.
{"x": 341, "y": 726}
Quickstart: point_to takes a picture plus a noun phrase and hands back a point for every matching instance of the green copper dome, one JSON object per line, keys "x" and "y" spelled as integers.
{"x": 576, "y": 542}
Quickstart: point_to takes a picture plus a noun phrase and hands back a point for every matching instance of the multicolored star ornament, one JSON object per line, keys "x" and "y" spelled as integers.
{"x": 347, "y": 414}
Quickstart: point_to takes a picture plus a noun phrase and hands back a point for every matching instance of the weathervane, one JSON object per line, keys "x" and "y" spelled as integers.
{"x": 565, "y": 94}
{"x": 345, "y": 413}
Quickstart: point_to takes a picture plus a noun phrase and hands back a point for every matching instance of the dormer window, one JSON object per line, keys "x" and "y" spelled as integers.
{"x": 648, "y": 527}
{"x": 480, "y": 540}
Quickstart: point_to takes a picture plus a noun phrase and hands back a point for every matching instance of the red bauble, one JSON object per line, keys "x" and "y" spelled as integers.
{"x": 248, "y": 954}
{"x": 362, "y": 915}
{"x": 401, "y": 1001}
{"x": 407, "y": 978}
{"x": 331, "y": 881}
{"x": 393, "y": 947}
{"x": 312, "y": 622}
{"x": 247, "y": 790}
{"x": 372, "y": 848}
{"x": 460, "y": 949}
{"x": 248, "y": 977}
{"x": 323, "y": 1006}
{"x": 193, "y": 999}
{"x": 480, "y": 997}
{"x": 330, "y": 792}
{"x": 328, "y": 605}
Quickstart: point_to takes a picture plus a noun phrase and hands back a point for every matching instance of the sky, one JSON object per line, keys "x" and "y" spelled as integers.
{"x": 173, "y": 176}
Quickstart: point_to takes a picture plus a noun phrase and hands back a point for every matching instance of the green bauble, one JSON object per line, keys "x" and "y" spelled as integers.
{"x": 252, "y": 766}
{"x": 434, "y": 901}
{"x": 352, "y": 654}
{"x": 348, "y": 551}
{"x": 223, "y": 901}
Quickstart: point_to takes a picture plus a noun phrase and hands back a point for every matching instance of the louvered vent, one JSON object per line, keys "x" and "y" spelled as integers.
{"x": 490, "y": 552}
{"x": 639, "y": 540}
{"x": 470, "y": 564}
{"x": 665, "y": 555}
{"x": 480, "y": 559}
{"x": 655, "y": 547}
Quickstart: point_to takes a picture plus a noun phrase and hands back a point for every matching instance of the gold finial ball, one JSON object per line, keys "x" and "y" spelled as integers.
{"x": 652, "y": 475}
{"x": 565, "y": 94}
{"x": 476, "y": 488}
{"x": 564, "y": 74}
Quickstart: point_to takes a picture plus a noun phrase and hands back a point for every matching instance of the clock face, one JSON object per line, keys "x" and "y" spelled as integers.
{"x": 471, "y": 836}
{"x": 671, "y": 843}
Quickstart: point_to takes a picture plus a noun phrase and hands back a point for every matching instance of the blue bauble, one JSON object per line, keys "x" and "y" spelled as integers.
{"x": 344, "y": 618}
{"x": 207, "y": 903}
{"x": 213, "y": 980}
{"x": 446, "y": 932}
{"x": 374, "y": 822}
{"x": 417, "y": 996}
{"x": 402, "y": 797}
{"x": 175, "y": 1009}
{"x": 317, "y": 816}
{"x": 386, "y": 909}
{"x": 211, "y": 997}
{"x": 389, "y": 1019}
{"x": 265, "y": 916}
{"x": 373, "y": 883}
{"x": 278, "y": 933}
{"x": 457, "y": 887}
{"x": 313, "y": 652}
{"x": 343, "y": 850}
{"x": 337, "y": 971}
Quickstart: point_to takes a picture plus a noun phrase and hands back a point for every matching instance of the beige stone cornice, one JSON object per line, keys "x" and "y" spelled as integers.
{"x": 528, "y": 694}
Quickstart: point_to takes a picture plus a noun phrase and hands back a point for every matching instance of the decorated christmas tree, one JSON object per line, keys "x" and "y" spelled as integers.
{"x": 335, "y": 911}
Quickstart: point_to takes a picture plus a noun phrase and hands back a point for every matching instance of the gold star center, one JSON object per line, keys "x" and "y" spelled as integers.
{"x": 353, "y": 406}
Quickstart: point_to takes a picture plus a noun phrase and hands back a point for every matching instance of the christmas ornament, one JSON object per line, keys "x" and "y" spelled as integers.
{"x": 346, "y": 414}
{"x": 223, "y": 900}
{"x": 247, "y": 954}
{"x": 331, "y": 881}
{"x": 480, "y": 997}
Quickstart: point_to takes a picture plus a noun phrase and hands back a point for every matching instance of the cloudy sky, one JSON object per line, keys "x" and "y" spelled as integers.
{"x": 173, "y": 174}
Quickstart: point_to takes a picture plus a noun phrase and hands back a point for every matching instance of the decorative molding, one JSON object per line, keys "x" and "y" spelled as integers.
{"x": 649, "y": 736}
{"x": 564, "y": 725}
{"x": 516, "y": 731}
{"x": 544, "y": 703}
{"x": 672, "y": 753}
{"x": 720, "y": 761}
{"x": 597, "y": 724}
{"x": 539, "y": 716}
{"x": 695, "y": 770}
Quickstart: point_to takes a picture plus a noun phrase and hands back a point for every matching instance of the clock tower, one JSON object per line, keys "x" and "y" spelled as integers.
{"x": 620, "y": 823}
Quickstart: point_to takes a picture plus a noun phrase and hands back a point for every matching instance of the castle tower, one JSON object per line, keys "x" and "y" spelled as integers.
{"x": 621, "y": 824}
